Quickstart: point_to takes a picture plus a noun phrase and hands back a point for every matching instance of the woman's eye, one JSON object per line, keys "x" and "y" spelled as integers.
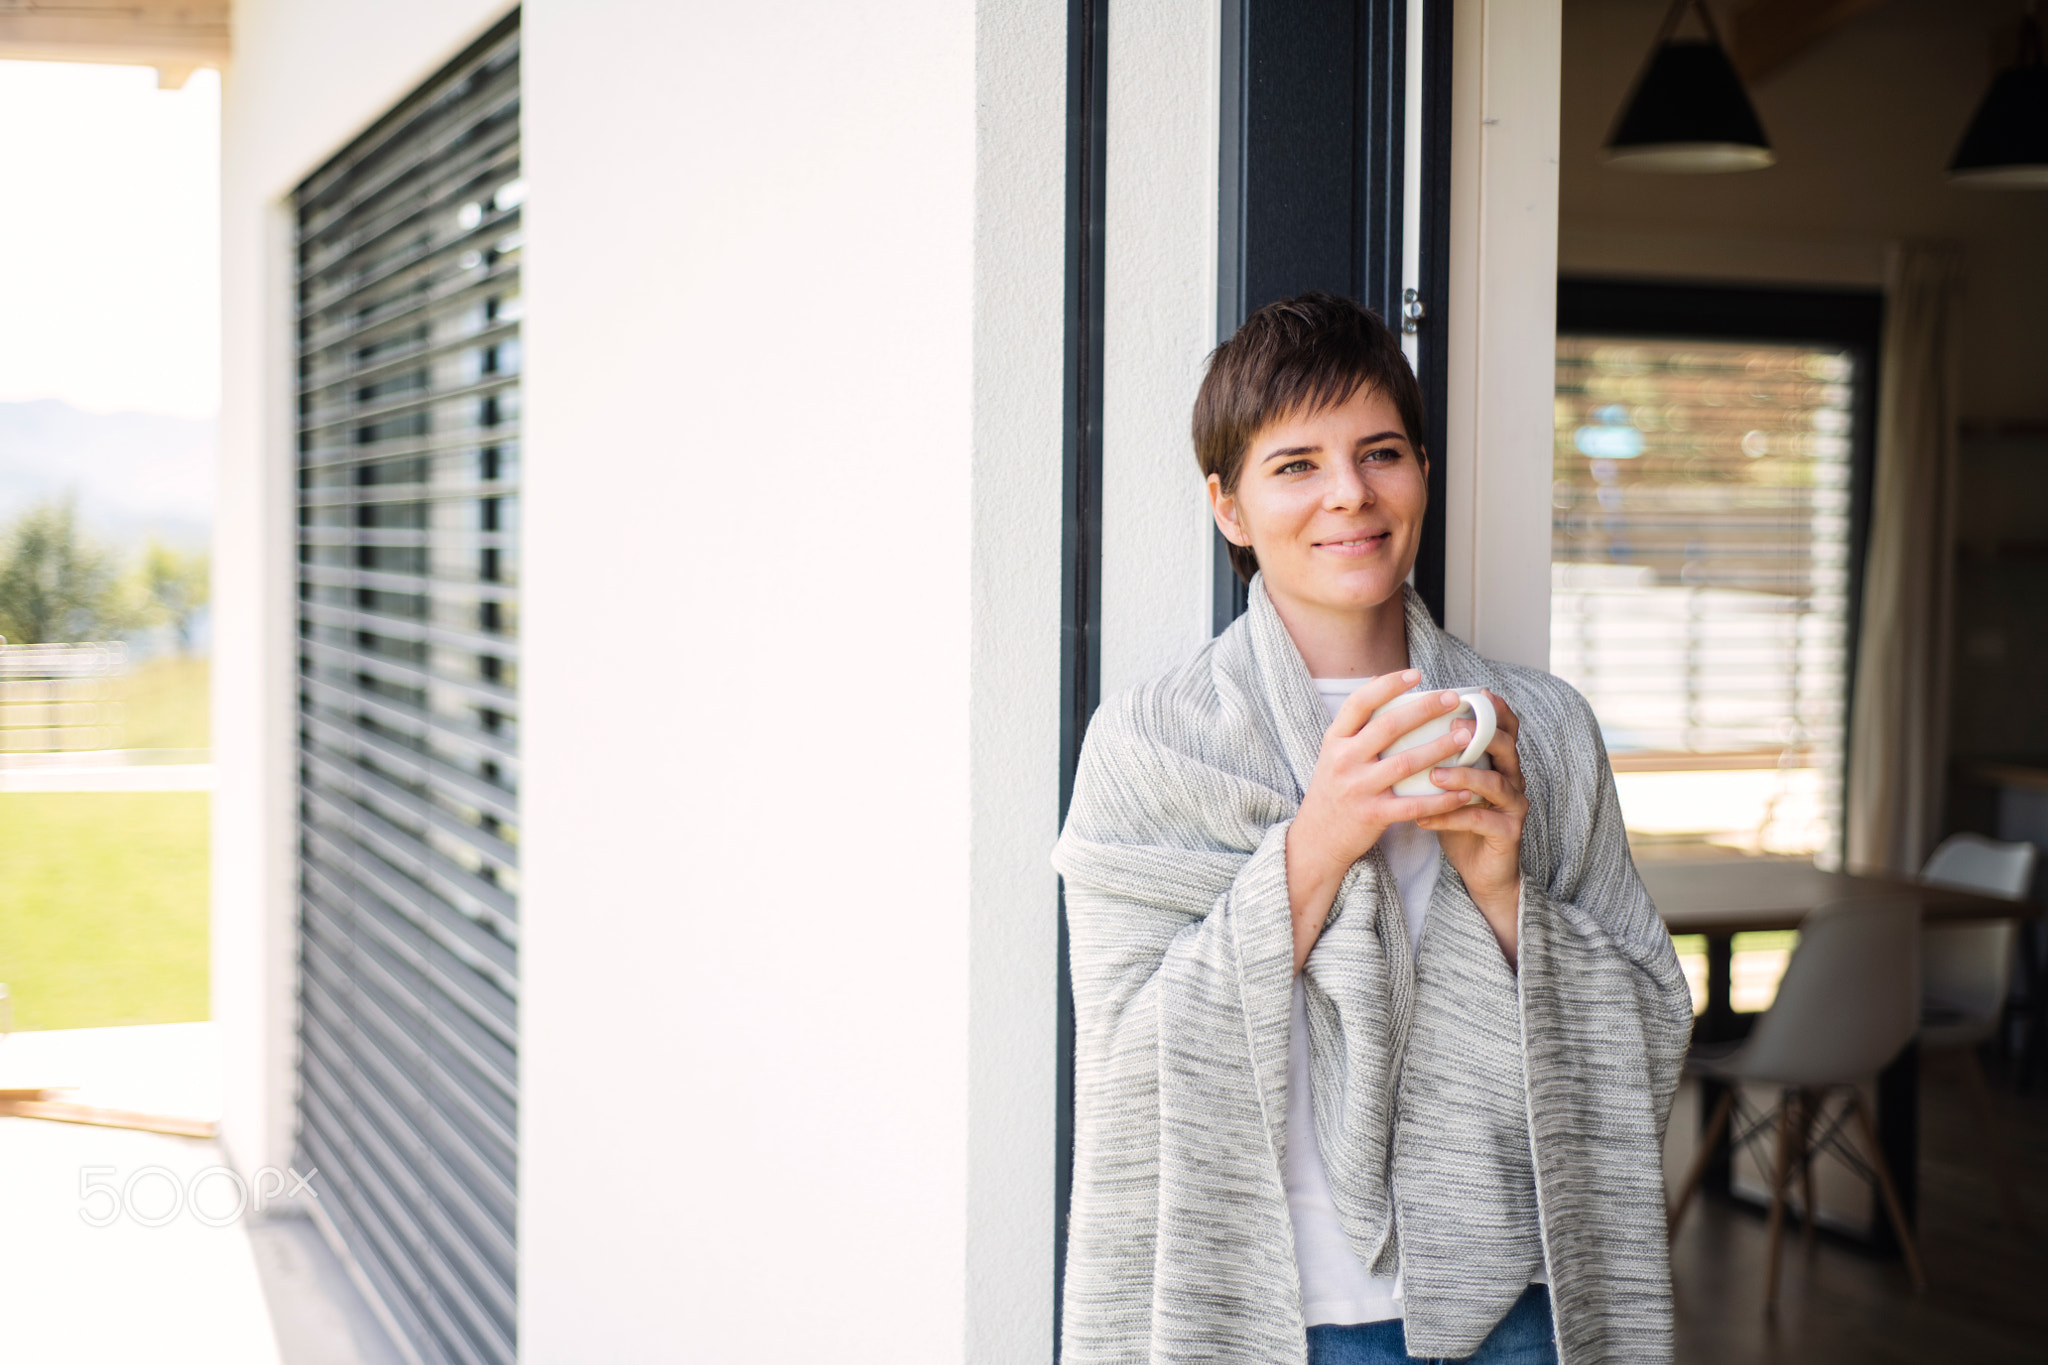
{"x": 1383, "y": 456}
{"x": 1295, "y": 467}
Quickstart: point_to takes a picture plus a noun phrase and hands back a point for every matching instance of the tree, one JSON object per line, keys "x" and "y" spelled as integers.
{"x": 172, "y": 587}
{"x": 55, "y": 585}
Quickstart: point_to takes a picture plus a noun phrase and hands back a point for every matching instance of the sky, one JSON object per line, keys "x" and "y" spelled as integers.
{"x": 109, "y": 239}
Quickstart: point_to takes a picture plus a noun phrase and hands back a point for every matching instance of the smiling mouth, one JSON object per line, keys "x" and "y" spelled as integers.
{"x": 1357, "y": 544}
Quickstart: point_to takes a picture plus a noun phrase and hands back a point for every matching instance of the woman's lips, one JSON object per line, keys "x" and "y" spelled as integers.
{"x": 1354, "y": 546}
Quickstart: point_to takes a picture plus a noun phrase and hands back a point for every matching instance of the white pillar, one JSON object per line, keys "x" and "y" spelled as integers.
{"x": 1013, "y": 715}
{"x": 1159, "y": 324}
{"x": 1503, "y": 323}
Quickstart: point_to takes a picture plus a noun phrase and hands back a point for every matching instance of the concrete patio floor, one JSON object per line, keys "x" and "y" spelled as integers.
{"x": 119, "y": 1246}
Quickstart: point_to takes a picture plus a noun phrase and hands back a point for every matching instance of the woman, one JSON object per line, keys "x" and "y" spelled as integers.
{"x": 1359, "y": 1076}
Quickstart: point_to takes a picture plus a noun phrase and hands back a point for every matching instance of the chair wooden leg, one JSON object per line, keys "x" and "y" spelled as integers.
{"x": 1995, "y": 1150}
{"x": 1809, "y": 1116}
{"x": 1716, "y": 1126}
{"x": 1780, "y": 1171}
{"x": 1888, "y": 1190}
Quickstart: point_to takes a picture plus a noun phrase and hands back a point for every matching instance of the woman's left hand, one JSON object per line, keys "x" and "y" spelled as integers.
{"x": 1484, "y": 841}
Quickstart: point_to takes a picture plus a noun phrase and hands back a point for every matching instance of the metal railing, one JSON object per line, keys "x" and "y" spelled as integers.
{"x": 62, "y": 697}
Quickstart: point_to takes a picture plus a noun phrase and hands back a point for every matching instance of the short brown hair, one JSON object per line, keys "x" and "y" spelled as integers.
{"x": 1300, "y": 355}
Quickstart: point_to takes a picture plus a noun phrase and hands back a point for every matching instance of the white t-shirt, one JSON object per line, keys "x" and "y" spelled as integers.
{"x": 1335, "y": 1287}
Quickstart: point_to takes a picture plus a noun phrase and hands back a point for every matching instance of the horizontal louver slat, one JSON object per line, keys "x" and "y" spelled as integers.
{"x": 1700, "y": 579}
{"x": 408, "y": 375}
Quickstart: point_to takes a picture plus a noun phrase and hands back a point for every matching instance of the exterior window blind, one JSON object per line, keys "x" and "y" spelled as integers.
{"x": 408, "y": 458}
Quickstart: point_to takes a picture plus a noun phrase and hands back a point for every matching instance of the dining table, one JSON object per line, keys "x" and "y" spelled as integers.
{"x": 1722, "y": 897}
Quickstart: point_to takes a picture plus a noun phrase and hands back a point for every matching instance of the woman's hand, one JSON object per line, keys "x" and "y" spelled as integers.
{"x": 1484, "y": 840}
{"x": 1350, "y": 800}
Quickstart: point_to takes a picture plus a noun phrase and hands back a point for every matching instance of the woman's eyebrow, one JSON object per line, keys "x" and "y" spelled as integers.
{"x": 1291, "y": 451}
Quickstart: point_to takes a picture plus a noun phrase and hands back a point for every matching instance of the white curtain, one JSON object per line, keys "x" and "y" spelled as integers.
{"x": 1898, "y": 733}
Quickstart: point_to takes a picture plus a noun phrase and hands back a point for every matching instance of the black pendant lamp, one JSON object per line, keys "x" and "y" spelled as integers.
{"x": 2006, "y": 147}
{"x": 1688, "y": 113}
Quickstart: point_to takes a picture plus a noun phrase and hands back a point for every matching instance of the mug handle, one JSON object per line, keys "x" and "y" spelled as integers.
{"x": 1484, "y": 723}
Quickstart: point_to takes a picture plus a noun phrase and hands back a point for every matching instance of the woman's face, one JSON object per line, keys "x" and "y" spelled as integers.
{"x": 1332, "y": 504}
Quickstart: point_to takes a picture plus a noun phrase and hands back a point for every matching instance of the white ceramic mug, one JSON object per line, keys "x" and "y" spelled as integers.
{"x": 1472, "y": 702}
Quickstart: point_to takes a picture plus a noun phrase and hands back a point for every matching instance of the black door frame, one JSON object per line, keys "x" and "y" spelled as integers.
{"x": 1081, "y": 518}
{"x": 1311, "y": 191}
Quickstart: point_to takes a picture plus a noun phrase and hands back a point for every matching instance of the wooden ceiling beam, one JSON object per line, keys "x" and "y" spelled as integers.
{"x": 1767, "y": 34}
{"x": 174, "y": 36}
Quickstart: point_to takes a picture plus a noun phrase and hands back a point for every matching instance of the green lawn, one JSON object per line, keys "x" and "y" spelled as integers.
{"x": 103, "y": 907}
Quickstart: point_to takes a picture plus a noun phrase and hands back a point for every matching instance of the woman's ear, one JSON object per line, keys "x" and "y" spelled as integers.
{"x": 1224, "y": 506}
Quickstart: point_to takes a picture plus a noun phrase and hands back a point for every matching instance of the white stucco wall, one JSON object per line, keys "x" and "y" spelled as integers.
{"x": 1019, "y": 388}
{"x": 306, "y": 78}
{"x": 793, "y": 462}
{"x": 1159, "y": 324}
{"x": 745, "y": 681}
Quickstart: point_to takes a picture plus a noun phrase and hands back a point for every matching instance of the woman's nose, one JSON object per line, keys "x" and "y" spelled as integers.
{"x": 1347, "y": 488}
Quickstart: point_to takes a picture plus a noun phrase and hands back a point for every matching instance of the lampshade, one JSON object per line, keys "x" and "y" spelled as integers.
{"x": 1689, "y": 114}
{"x": 2006, "y": 147}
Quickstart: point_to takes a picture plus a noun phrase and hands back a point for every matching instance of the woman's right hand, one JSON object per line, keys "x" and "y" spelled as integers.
{"x": 1350, "y": 800}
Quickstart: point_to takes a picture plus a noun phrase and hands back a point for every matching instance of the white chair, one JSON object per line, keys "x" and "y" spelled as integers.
{"x": 1848, "y": 1004}
{"x": 1966, "y": 971}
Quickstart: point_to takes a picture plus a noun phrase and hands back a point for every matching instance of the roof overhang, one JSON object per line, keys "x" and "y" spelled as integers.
{"x": 177, "y": 37}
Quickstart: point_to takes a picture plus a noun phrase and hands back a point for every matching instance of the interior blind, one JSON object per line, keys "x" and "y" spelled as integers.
{"x": 1700, "y": 581}
{"x": 408, "y": 461}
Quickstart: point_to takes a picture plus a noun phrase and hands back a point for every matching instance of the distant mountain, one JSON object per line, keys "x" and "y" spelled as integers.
{"x": 133, "y": 474}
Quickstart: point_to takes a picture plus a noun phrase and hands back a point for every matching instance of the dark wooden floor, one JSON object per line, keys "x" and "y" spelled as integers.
{"x": 1987, "y": 1297}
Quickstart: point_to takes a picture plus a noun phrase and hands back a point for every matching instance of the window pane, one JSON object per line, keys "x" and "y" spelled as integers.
{"x": 1756, "y": 966}
{"x": 1700, "y": 573}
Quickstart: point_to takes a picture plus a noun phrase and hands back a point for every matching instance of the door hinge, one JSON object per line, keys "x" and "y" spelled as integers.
{"x": 1412, "y": 312}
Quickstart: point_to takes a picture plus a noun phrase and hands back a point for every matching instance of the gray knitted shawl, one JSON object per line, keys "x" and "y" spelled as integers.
{"x": 1479, "y": 1125}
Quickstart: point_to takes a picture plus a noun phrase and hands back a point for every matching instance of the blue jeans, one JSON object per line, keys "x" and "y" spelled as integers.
{"x": 1523, "y": 1337}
